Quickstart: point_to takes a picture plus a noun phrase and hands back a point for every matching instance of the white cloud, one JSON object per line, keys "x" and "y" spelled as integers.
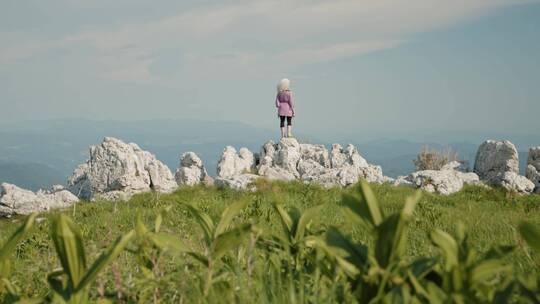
{"x": 258, "y": 35}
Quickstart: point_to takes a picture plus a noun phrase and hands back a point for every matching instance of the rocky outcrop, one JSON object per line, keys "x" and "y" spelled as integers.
{"x": 233, "y": 164}
{"x": 191, "y": 171}
{"x": 289, "y": 160}
{"x": 533, "y": 168}
{"x": 497, "y": 164}
{"x": 234, "y": 170}
{"x": 446, "y": 181}
{"x": 243, "y": 181}
{"x": 117, "y": 170}
{"x": 18, "y": 201}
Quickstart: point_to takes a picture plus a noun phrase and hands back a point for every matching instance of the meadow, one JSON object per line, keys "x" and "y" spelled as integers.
{"x": 284, "y": 243}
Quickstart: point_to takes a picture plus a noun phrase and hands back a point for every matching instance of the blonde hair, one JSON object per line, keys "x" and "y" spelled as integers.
{"x": 283, "y": 85}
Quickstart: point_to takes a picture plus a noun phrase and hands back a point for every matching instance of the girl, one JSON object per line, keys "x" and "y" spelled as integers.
{"x": 285, "y": 105}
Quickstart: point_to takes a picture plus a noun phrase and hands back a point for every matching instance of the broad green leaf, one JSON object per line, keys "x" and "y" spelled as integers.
{"x": 435, "y": 294}
{"x": 357, "y": 254}
{"x": 204, "y": 221}
{"x": 488, "y": 269}
{"x": 398, "y": 294}
{"x": 531, "y": 234}
{"x": 228, "y": 215}
{"x": 422, "y": 266}
{"x": 68, "y": 242}
{"x": 306, "y": 217}
{"x": 230, "y": 240}
{"x": 286, "y": 220}
{"x": 448, "y": 246}
{"x": 410, "y": 204}
{"x": 157, "y": 224}
{"x": 392, "y": 233}
{"x": 332, "y": 254}
{"x": 498, "y": 252}
{"x": 140, "y": 228}
{"x": 166, "y": 241}
{"x": 5, "y": 269}
{"x": 16, "y": 237}
{"x": 416, "y": 284}
{"x": 371, "y": 203}
{"x": 389, "y": 238}
{"x": 364, "y": 204}
{"x": 199, "y": 257}
{"x": 55, "y": 283}
{"x": 105, "y": 259}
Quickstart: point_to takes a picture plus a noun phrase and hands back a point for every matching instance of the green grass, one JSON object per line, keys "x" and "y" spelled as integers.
{"x": 491, "y": 216}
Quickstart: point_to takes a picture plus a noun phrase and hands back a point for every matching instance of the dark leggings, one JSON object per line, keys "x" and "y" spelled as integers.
{"x": 282, "y": 121}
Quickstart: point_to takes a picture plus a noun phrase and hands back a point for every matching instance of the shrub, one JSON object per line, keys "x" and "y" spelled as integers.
{"x": 434, "y": 159}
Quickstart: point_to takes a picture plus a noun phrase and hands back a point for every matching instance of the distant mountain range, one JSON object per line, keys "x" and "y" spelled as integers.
{"x": 37, "y": 154}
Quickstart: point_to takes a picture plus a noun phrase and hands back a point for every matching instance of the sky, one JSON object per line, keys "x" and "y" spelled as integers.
{"x": 376, "y": 68}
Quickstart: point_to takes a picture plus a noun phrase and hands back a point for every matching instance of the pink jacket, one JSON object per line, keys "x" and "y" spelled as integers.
{"x": 285, "y": 104}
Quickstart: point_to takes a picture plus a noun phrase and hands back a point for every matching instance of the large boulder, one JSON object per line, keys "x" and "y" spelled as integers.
{"x": 233, "y": 164}
{"x": 234, "y": 170}
{"x": 280, "y": 161}
{"x": 350, "y": 164}
{"x": 18, "y": 201}
{"x": 117, "y": 170}
{"x": 494, "y": 158}
{"x": 497, "y": 164}
{"x": 517, "y": 183}
{"x": 191, "y": 171}
{"x": 533, "y": 167}
{"x": 446, "y": 181}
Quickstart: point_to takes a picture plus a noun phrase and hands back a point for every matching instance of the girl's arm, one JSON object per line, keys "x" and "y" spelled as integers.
{"x": 277, "y": 101}
{"x": 291, "y": 102}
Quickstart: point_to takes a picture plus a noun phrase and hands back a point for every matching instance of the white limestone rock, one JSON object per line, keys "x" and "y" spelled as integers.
{"x": 533, "y": 168}
{"x": 18, "y": 201}
{"x": 191, "y": 171}
{"x": 494, "y": 158}
{"x": 289, "y": 160}
{"x": 316, "y": 153}
{"x": 233, "y": 164}
{"x": 497, "y": 164}
{"x": 275, "y": 173}
{"x": 288, "y": 155}
{"x": 446, "y": 181}
{"x": 116, "y": 170}
{"x": 517, "y": 183}
{"x": 404, "y": 181}
{"x": 238, "y": 182}
{"x": 349, "y": 157}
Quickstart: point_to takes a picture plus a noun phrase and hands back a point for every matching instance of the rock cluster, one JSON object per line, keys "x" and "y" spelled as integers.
{"x": 533, "y": 168}
{"x": 191, "y": 171}
{"x": 18, "y": 201}
{"x": 497, "y": 164}
{"x": 117, "y": 170}
{"x": 289, "y": 160}
{"x": 446, "y": 181}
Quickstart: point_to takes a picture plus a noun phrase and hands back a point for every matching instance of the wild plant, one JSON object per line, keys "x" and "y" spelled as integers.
{"x": 11, "y": 291}
{"x": 149, "y": 248}
{"x": 381, "y": 273}
{"x": 292, "y": 252}
{"x": 71, "y": 282}
{"x": 218, "y": 240}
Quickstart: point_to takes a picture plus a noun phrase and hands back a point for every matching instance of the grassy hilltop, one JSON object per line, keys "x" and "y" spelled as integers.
{"x": 148, "y": 272}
